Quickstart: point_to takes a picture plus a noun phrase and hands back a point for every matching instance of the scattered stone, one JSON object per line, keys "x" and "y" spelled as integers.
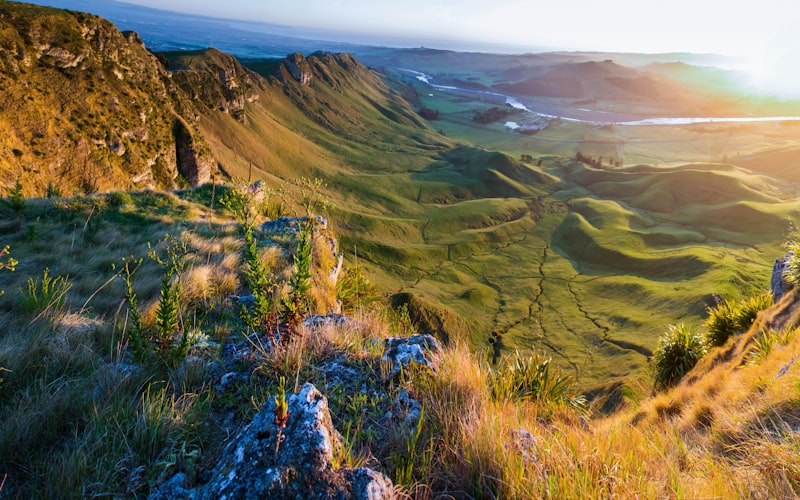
{"x": 339, "y": 373}
{"x": 292, "y": 224}
{"x": 784, "y": 369}
{"x": 255, "y": 465}
{"x": 526, "y": 445}
{"x": 778, "y": 285}
{"x": 407, "y": 411}
{"x": 237, "y": 301}
{"x": 402, "y": 351}
{"x": 317, "y": 321}
{"x": 228, "y": 379}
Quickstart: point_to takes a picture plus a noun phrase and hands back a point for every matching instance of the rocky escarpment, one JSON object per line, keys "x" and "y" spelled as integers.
{"x": 295, "y": 66}
{"x": 214, "y": 81}
{"x": 83, "y": 104}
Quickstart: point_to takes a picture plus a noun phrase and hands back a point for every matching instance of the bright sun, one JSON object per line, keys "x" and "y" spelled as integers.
{"x": 776, "y": 69}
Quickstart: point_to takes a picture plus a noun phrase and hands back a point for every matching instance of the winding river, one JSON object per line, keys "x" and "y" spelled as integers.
{"x": 571, "y": 113}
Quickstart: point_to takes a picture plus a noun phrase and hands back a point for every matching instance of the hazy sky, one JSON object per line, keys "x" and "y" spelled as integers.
{"x": 729, "y": 26}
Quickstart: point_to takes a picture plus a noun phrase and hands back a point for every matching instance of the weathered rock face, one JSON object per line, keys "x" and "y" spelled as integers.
{"x": 194, "y": 165}
{"x": 424, "y": 350}
{"x": 298, "y": 67}
{"x": 777, "y": 285}
{"x": 98, "y": 98}
{"x": 301, "y": 466}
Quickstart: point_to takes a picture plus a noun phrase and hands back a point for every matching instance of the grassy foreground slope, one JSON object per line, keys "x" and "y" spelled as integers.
{"x": 95, "y": 420}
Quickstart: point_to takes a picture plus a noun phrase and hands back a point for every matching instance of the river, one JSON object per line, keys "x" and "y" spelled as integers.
{"x": 571, "y": 113}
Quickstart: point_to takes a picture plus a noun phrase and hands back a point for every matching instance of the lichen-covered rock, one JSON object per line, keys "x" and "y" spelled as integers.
{"x": 254, "y": 465}
{"x": 778, "y": 285}
{"x": 402, "y": 351}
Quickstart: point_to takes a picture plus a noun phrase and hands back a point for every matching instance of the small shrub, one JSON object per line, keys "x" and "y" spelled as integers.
{"x": 677, "y": 352}
{"x": 53, "y": 190}
{"x": 791, "y": 273}
{"x": 16, "y": 198}
{"x": 720, "y": 324}
{"x": 533, "y": 378}
{"x": 762, "y": 346}
{"x": 47, "y": 294}
{"x": 9, "y": 264}
{"x": 170, "y": 337}
{"x": 728, "y": 318}
{"x": 355, "y": 290}
{"x": 295, "y": 305}
{"x": 748, "y": 309}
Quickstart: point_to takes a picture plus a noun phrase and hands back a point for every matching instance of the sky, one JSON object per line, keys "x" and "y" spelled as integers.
{"x": 765, "y": 34}
{"x": 730, "y": 26}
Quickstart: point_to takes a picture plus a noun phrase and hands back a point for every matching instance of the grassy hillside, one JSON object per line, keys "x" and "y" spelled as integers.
{"x": 96, "y": 418}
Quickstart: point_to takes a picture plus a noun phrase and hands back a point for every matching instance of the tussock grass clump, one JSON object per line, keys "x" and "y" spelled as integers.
{"x": 532, "y": 378}
{"x": 791, "y": 271}
{"x": 677, "y": 352}
{"x": 728, "y": 318}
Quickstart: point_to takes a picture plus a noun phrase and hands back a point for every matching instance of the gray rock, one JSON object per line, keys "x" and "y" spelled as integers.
{"x": 407, "y": 411}
{"x": 778, "y": 285}
{"x": 292, "y": 224}
{"x": 526, "y": 445}
{"x": 402, "y": 351}
{"x": 317, "y": 321}
{"x": 298, "y": 67}
{"x": 301, "y": 467}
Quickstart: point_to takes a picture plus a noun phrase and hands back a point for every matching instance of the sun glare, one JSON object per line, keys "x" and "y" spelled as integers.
{"x": 776, "y": 68}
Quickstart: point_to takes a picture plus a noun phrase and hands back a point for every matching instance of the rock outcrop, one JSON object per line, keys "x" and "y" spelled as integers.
{"x": 298, "y": 67}
{"x": 424, "y": 350}
{"x": 301, "y": 466}
{"x": 777, "y": 284}
{"x": 192, "y": 163}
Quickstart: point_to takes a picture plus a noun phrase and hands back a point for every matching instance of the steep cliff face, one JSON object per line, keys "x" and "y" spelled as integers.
{"x": 83, "y": 105}
{"x": 214, "y": 81}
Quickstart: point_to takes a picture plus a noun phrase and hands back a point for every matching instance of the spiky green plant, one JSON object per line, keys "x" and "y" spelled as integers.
{"x": 174, "y": 261}
{"x": 720, "y": 324}
{"x": 295, "y": 305}
{"x": 532, "y": 377}
{"x": 728, "y": 318}
{"x": 47, "y": 294}
{"x": 16, "y": 198}
{"x": 282, "y": 413}
{"x": 10, "y": 264}
{"x": 678, "y": 350}
{"x": 138, "y": 340}
{"x": 748, "y": 309}
{"x": 791, "y": 271}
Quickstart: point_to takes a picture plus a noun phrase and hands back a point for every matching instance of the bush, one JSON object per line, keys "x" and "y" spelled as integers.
{"x": 677, "y": 352}
{"x": 791, "y": 271}
{"x": 16, "y": 198}
{"x": 720, "y": 324}
{"x": 48, "y": 294}
{"x": 533, "y": 378}
{"x": 726, "y": 319}
{"x": 749, "y": 308}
